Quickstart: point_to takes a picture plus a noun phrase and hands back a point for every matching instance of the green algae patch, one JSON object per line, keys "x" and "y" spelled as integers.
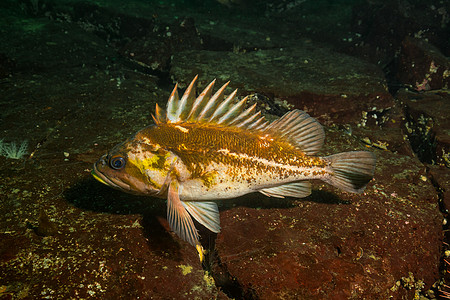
{"x": 185, "y": 269}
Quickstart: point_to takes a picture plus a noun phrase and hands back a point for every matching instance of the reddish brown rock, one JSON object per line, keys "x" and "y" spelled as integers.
{"x": 422, "y": 66}
{"x": 89, "y": 241}
{"x": 441, "y": 179}
{"x": 73, "y": 95}
{"x": 126, "y": 251}
{"x": 334, "y": 245}
{"x": 427, "y": 125}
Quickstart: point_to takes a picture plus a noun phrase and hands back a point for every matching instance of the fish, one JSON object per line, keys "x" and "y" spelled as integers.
{"x": 209, "y": 147}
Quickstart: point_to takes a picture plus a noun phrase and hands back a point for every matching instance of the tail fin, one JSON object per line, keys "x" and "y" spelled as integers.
{"x": 351, "y": 171}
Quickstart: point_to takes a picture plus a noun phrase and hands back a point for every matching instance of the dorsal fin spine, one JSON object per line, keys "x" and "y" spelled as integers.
{"x": 172, "y": 104}
{"x": 248, "y": 120}
{"x": 186, "y": 100}
{"x": 262, "y": 126}
{"x": 160, "y": 116}
{"x": 208, "y": 109}
{"x": 234, "y": 110}
{"x": 222, "y": 108}
{"x": 256, "y": 123}
{"x": 203, "y": 97}
{"x": 243, "y": 114}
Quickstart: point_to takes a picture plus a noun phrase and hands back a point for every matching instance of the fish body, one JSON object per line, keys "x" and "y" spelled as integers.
{"x": 218, "y": 162}
{"x": 208, "y": 147}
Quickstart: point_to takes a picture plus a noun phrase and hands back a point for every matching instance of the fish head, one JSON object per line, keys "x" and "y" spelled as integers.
{"x": 136, "y": 166}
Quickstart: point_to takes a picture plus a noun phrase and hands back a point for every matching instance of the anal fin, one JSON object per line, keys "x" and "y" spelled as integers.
{"x": 206, "y": 213}
{"x": 297, "y": 189}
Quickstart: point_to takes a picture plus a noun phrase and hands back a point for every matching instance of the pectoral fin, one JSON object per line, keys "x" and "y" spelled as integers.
{"x": 179, "y": 219}
{"x": 206, "y": 213}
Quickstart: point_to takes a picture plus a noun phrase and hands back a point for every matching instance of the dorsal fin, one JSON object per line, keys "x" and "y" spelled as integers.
{"x": 186, "y": 101}
{"x": 300, "y": 129}
{"x": 172, "y": 104}
{"x": 296, "y": 126}
{"x": 160, "y": 115}
{"x": 209, "y": 108}
{"x": 177, "y": 109}
{"x": 197, "y": 106}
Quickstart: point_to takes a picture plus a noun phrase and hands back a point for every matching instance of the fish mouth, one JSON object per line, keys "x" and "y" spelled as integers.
{"x": 112, "y": 182}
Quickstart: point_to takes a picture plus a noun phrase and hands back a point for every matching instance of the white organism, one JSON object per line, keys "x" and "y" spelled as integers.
{"x": 12, "y": 150}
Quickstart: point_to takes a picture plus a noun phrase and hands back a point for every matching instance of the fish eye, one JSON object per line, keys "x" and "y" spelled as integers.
{"x": 117, "y": 162}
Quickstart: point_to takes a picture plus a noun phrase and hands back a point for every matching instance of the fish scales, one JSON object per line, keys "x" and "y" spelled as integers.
{"x": 198, "y": 145}
{"x": 209, "y": 147}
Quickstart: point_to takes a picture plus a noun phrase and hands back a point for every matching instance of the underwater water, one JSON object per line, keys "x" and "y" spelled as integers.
{"x": 78, "y": 77}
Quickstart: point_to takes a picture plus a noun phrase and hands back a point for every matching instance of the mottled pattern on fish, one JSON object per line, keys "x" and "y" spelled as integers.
{"x": 198, "y": 145}
{"x": 209, "y": 147}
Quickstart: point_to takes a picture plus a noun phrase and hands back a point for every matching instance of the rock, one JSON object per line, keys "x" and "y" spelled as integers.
{"x": 441, "y": 179}
{"x": 73, "y": 86}
{"x": 380, "y": 27}
{"x": 427, "y": 125}
{"x": 158, "y": 45}
{"x": 127, "y": 251}
{"x": 422, "y": 66}
{"x": 339, "y": 245}
{"x": 7, "y": 66}
{"x": 331, "y": 86}
{"x": 45, "y": 226}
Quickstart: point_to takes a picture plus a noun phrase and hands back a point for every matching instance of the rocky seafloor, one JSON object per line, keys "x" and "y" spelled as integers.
{"x": 78, "y": 77}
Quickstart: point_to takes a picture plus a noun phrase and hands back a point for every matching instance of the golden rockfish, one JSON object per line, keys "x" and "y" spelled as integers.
{"x": 209, "y": 147}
